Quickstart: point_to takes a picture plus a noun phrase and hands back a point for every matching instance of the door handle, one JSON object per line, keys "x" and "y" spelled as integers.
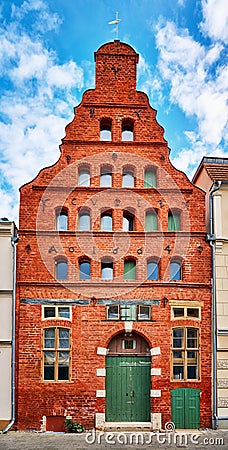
{"x": 132, "y": 393}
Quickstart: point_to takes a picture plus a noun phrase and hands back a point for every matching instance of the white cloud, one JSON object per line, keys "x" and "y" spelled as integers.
{"x": 215, "y": 19}
{"x": 198, "y": 85}
{"x": 36, "y": 109}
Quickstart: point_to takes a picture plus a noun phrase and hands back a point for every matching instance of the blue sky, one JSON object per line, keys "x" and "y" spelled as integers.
{"x": 47, "y": 61}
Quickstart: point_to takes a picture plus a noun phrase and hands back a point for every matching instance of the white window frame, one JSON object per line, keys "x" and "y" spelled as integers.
{"x": 56, "y": 316}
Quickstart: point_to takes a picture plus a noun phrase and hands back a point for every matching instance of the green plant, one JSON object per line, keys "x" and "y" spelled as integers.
{"x": 73, "y": 427}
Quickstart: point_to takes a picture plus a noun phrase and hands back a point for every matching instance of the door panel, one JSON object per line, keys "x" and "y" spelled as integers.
{"x": 128, "y": 388}
{"x": 186, "y": 408}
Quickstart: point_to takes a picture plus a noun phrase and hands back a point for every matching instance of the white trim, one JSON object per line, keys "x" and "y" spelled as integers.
{"x": 155, "y": 351}
{"x": 102, "y": 351}
{"x": 101, "y": 393}
{"x": 155, "y": 371}
{"x": 101, "y": 372}
{"x": 155, "y": 393}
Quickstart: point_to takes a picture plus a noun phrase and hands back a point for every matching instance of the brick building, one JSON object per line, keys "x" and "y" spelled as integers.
{"x": 114, "y": 294}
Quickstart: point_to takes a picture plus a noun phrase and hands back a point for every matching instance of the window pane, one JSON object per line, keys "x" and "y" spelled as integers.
{"x": 178, "y": 372}
{"x": 128, "y": 222}
{"x": 49, "y": 338}
{"x": 128, "y": 312}
{"x": 175, "y": 271}
{"x": 193, "y": 312}
{"x": 174, "y": 222}
{"x": 129, "y": 270}
{"x": 127, "y": 135}
{"x": 178, "y": 338}
{"x": 152, "y": 271}
{"x": 84, "y": 177}
{"x": 106, "y": 179}
{"x": 84, "y": 268}
{"x": 84, "y": 222}
{"x": 64, "y": 311}
{"x": 106, "y": 222}
{"x": 144, "y": 312}
{"x": 129, "y": 344}
{"x": 64, "y": 338}
{"x": 113, "y": 312}
{"x": 178, "y": 312}
{"x": 105, "y": 134}
{"x": 107, "y": 271}
{"x": 63, "y": 365}
{"x": 61, "y": 221}
{"x": 150, "y": 178}
{"x": 49, "y": 365}
{"x": 151, "y": 221}
{"x": 49, "y": 311}
{"x": 61, "y": 270}
{"x": 128, "y": 180}
{"x": 192, "y": 338}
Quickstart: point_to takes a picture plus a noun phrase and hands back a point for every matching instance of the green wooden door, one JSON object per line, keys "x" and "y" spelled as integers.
{"x": 128, "y": 388}
{"x": 186, "y": 408}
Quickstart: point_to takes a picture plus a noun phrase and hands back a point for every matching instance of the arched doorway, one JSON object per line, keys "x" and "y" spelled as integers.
{"x": 128, "y": 375}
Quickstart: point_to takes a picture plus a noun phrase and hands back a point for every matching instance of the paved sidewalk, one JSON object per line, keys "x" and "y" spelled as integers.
{"x": 204, "y": 439}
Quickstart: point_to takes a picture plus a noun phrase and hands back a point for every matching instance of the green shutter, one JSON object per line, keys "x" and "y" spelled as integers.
{"x": 129, "y": 270}
{"x": 150, "y": 178}
{"x": 174, "y": 222}
{"x": 186, "y": 408}
{"x": 151, "y": 221}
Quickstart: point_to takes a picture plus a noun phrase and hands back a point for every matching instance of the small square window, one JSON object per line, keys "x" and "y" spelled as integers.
{"x": 113, "y": 312}
{"x": 129, "y": 344}
{"x": 59, "y": 312}
{"x": 178, "y": 312}
{"x": 49, "y": 311}
{"x": 144, "y": 313}
{"x": 193, "y": 312}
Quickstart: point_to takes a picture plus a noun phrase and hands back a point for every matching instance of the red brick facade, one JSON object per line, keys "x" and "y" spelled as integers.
{"x": 114, "y": 102}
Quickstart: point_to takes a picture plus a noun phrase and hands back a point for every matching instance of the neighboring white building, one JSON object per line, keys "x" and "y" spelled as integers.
{"x": 8, "y": 239}
{"x": 212, "y": 177}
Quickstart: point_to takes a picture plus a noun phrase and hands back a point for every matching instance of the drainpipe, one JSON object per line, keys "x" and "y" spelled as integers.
{"x": 212, "y": 239}
{"x": 14, "y": 241}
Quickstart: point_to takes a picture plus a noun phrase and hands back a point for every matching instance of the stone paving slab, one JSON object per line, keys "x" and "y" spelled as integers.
{"x": 205, "y": 439}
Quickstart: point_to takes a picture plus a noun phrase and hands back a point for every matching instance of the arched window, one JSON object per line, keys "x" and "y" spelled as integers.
{"x": 150, "y": 177}
{"x": 105, "y": 130}
{"x": 106, "y": 176}
{"x": 128, "y": 221}
{"x": 128, "y": 180}
{"x": 174, "y": 222}
{"x": 84, "y": 270}
{"x": 151, "y": 223}
{"x": 129, "y": 269}
{"x": 61, "y": 269}
{"x": 106, "y": 221}
{"x": 175, "y": 270}
{"x": 83, "y": 176}
{"x": 84, "y": 220}
{"x": 127, "y": 130}
{"x": 152, "y": 270}
{"x": 61, "y": 219}
{"x": 107, "y": 270}
{"x": 56, "y": 354}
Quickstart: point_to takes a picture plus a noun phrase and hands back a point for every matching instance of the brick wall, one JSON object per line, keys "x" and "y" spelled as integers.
{"x": 40, "y": 244}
